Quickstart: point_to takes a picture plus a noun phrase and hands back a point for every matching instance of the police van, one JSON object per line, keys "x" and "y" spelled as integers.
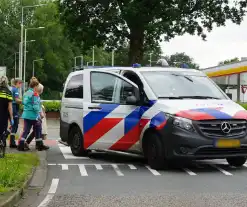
{"x": 165, "y": 114}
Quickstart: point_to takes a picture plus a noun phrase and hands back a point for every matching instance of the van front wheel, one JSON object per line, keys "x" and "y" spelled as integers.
{"x": 76, "y": 146}
{"x": 155, "y": 152}
{"x": 236, "y": 161}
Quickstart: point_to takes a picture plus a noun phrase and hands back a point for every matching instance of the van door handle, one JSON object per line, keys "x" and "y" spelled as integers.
{"x": 95, "y": 107}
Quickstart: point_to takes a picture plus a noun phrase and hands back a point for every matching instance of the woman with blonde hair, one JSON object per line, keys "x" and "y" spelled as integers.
{"x": 31, "y": 117}
{"x": 40, "y": 90}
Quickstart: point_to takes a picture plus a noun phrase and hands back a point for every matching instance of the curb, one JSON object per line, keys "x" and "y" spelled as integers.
{"x": 17, "y": 195}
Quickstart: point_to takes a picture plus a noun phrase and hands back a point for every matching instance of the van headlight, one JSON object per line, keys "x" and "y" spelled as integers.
{"x": 183, "y": 123}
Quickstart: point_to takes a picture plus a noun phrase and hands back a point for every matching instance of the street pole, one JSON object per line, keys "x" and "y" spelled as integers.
{"x": 93, "y": 56}
{"x": 33, "y": 68}
{"x": 150, "y": 59}
{"x": 15, "y": 64}
{"x": 34, "y": 63}
{"x": 112, "y": 63}
{"x": 75, "y": 63}
{"x": 21, "y": 44}
{"x": 25, "y": 59}
{"x": 81, "y": 62}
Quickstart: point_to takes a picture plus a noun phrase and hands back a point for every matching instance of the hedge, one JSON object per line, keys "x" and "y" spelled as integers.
{"x": 50, "y": 106}
{"x": 54, "y": 106}
{"x": 243, "y": 105}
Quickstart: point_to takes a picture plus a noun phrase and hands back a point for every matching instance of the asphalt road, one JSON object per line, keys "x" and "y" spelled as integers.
{"x": 105, "y": 180}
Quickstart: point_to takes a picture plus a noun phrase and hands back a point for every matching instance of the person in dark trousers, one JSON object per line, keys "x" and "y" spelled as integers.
{"x": 17, "y": 83}
{"x": 31, "y": 136}
{"x": 31, "y": 116}
{"x": 6, "y": 110}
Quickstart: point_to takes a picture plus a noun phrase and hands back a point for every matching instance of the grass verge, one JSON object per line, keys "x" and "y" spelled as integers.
{"x": 14, "y": 170}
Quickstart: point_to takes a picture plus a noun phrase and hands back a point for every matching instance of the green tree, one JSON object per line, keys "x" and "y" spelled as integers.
{"x": 155, "y": 51}
{"x": 115, "y": 22}
{"x": 177, "y": 59}
{"x": 51, "y": 45}
{"x": 233, "y": 60}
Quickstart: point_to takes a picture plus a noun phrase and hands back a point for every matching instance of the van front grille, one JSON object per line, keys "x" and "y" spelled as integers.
{"x": 212, "y": 128}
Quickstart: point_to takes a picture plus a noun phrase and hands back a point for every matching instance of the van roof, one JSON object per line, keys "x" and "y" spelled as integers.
{"x": 142, "y": 69}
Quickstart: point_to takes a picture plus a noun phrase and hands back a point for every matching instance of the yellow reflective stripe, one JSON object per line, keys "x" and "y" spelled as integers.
{"x": 2, "y": 95}
{"x": 225, "y": 72}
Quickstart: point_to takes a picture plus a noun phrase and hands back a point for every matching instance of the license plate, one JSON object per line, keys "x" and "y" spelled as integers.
{"x": 226, "y": 143}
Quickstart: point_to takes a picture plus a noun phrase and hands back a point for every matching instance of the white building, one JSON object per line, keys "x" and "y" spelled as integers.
{"x": 232, "y": 78}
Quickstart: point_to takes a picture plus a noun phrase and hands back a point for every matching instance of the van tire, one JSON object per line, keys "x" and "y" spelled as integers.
{"x": 155, "y": 152}
{"x": 236, "y": 161}
{"x": 76, "y": 145}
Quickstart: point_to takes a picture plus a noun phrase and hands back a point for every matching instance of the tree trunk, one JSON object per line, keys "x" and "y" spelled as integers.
{"x": 136, "y": 45}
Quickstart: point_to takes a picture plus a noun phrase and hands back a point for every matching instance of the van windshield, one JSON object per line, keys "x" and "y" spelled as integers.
{"x": 174, "y": 85}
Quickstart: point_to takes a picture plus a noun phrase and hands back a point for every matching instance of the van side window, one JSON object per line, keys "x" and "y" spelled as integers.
{"x": 125, "y": 91}
{"x": 75, "y": 87}
{"x": 102, "y": 87}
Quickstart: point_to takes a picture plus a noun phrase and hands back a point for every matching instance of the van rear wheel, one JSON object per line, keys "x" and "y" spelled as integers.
{"x": 155, "y": 152}
{"x": 236, "y": 161}
{"x": 76, "y": 146}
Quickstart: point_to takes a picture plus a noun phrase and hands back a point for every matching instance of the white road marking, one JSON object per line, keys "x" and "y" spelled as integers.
{"x": 154, "y": 172}
{"x": 51, "y": 164}
{"x": 98, "y": 167}
{"x": 46, "y": 201}
{"x": 189, "y": 171}
{"x": 132, "y": 167}
{"x": 65, "y": 167}
{"x": 117, "y": 170}
{"x": 221, "y": 170}
{"x": 67, "y": 154}
{"x": 51, "y": 192}
{"x": 82, "y": 169}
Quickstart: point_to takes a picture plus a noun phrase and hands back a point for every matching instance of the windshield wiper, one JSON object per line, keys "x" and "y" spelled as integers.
{"x": 189, "y": 97}
{"x": 171, "y": 97}
{"x": 200, "y": 97}
{"x": 183, "y": 76}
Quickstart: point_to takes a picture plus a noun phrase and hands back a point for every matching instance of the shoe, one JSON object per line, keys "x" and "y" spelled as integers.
{"x": 42, "y": 147}
{"x": 26, "y": 147}
{"x": 13, "y": 146}
{"x": 20, "y": 148}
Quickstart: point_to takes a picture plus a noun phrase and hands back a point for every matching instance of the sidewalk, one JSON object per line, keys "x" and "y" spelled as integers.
{"x": 53, "y": 128}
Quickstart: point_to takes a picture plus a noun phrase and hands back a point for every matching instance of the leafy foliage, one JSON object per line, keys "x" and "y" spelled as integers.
{"x": 234, "y": 60}
{"x": 112, "y": 23}
{"x": 177, "y": 59}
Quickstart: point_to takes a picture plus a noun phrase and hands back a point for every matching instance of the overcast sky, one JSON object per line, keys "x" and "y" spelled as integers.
{"x": 222, "y": 43}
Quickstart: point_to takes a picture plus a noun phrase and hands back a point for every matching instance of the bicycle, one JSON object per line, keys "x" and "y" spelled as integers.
{"x": 2, "y": 145}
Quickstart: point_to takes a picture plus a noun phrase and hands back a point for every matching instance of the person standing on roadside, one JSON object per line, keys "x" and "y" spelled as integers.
{"x": 6, "y": 110}
{"x": 31, "y": 116}
{"x": 42, "y": 118}
{"x": 17, "y": 83}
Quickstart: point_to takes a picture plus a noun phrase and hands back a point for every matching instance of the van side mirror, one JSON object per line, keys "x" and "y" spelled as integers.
{"x": 133, "y": 98}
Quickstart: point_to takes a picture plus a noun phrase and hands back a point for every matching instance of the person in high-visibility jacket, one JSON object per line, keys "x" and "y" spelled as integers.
{"x": 31, "y": 116}
{"x": 6, "y": 111}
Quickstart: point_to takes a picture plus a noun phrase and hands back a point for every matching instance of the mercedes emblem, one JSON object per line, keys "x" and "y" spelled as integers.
{"x": 225, "y": 127}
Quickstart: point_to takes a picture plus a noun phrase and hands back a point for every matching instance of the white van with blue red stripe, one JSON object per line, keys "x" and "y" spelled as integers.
{"x": 165, "y": 114}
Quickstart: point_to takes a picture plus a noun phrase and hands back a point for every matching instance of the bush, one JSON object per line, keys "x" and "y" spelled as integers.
{"x": 53, "y": 106}
{"x": 243, "y": 105}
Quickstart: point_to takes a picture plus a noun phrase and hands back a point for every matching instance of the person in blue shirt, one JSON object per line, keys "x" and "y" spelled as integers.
{"x": 31, "y": 117}
{"x": 16, "y": 84}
